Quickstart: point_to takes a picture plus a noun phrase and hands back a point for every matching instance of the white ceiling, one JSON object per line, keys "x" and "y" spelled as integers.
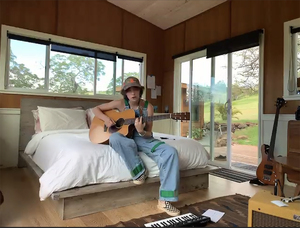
{"x": 166, "y": 13}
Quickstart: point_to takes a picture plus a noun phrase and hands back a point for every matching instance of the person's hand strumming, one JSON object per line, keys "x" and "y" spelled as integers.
{"x": 109, "y": 122}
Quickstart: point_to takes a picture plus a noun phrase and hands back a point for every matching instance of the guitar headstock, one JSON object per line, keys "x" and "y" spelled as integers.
{"x": 280, "y": 102}
{"x": 182, "y": 116}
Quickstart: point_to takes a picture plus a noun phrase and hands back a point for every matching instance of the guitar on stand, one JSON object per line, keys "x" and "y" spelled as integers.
{"x": 265, "y": 172}
{"x": 100, "y": 133}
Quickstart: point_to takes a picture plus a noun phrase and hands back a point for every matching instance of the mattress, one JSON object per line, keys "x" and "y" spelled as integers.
{"x": 69, "y": 159}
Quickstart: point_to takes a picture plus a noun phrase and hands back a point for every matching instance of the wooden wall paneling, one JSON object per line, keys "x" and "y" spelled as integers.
{"x": 136, "y": 33}
{"x": 139, "y": 35}
{"x": 208, "y": 27}
{"x": 29, "y": 14}
{"x": 155, "y": 57}
{"x": 168, "y": 84}
{"x": 273, "y": 69}
{"x": 93, "y": 21}
{"x": 173, "y": 44}
{"x": 248, "y": 15}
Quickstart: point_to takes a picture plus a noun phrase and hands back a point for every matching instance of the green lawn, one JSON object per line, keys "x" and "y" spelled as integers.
{"x": 249, "y": 108}
{"x": 250, "y": 132}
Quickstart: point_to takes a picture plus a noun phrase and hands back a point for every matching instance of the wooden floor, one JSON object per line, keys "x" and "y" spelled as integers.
{"x": 22, "y": 206}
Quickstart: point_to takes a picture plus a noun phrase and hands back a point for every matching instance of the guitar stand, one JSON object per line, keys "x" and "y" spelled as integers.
{"x": 256, "y": 181}
{"x": 276, "y": 186}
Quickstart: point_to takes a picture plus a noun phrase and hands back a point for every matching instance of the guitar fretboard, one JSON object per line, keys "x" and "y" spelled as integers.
{"x": 149, "y": 118}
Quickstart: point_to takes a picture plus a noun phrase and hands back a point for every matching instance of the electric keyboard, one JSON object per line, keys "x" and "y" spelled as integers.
{"x": 185, "y": 220}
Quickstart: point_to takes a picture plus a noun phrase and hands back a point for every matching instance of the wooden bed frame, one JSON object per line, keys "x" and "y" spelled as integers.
{"x": 94, "y": 198}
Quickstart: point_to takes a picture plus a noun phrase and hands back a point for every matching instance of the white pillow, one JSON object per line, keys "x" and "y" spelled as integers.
{"x": 90, "y": 116}
{"x": 61, "y": 119}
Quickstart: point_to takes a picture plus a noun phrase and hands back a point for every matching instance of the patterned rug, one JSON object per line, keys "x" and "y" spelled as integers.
{"x": 234, "y": 206}
{"x": 244, "y": 166}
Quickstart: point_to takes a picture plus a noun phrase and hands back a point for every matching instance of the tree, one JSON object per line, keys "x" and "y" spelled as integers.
{"x": 72, "y": 73}
{"x": 237, "y": 92}
{"x": 21, "y": 77}
{"x": 119, "y": 81}
{"x": 248, "y": 69}
{"x": 222, "y": 109}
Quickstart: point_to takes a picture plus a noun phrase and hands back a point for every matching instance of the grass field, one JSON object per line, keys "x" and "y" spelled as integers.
{"x": 250, "y": 132}
{"x": 249, "y": 108}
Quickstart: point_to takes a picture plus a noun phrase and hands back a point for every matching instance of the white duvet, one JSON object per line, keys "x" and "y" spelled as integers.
{"x": 69, "y": 159}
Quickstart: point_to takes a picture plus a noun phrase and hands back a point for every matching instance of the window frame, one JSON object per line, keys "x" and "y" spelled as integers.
{"x": 4, "y": 62}
{"x": 287, "y": 57}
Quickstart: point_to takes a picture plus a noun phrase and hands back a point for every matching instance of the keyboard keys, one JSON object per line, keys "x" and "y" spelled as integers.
{"x": 188, "y": 219}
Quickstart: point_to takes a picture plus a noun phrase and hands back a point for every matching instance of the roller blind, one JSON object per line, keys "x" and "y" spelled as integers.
{"x": 233, "y": 44}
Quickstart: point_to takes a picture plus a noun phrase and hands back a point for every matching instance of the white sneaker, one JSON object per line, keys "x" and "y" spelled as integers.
{"x": 168, "y": 208}
{"x": 141, "y": 179}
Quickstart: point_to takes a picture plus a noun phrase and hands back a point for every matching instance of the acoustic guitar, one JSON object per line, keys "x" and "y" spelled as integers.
{"x": 266, "y": 170}
{"x": 99, "y": 133}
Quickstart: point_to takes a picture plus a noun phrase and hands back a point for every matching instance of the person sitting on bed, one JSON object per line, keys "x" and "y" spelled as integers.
{"x": 165, "y": 156}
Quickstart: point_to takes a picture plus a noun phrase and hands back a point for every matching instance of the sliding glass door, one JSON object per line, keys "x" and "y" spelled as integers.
{"x": 203, "y": 88}
{"x": 221, "y": 88}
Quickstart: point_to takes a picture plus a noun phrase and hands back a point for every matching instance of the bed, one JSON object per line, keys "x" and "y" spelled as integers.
{"x": 83, "y": 178}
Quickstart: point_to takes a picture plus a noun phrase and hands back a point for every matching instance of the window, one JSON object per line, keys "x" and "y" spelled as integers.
{"x": 38, "y": 63}
{"x": 292, "y": 60}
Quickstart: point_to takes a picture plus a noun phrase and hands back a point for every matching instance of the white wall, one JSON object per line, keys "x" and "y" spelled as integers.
{"x": 281, "y": 135}
{"x": 163, "y": 126}
{"x": 9, "y": 137}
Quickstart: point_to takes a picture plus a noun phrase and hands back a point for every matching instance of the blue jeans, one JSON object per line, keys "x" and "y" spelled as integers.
{"x": 165, "y": 156}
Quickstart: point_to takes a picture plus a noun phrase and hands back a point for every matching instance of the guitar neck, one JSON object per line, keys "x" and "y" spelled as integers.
{"x": 149, "y": 118}
{"x": 273, "y": 137}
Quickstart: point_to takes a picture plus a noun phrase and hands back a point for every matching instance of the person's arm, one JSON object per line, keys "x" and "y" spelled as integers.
{"x": 98, "y": 111}
{"x": 147, "y": 132}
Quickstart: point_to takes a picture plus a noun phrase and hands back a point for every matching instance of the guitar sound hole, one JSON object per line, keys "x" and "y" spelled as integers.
{"x": 119, "y": 123}
{"x": 117, "y": 126}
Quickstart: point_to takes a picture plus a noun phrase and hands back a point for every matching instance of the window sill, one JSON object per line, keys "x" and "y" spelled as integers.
{"x": 292, "y": 97}
{"x": 97, "y": 97}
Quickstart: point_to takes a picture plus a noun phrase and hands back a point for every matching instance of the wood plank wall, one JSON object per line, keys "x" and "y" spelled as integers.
{"x": 93, "y": 21}
{"x": 230, "y": 19}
